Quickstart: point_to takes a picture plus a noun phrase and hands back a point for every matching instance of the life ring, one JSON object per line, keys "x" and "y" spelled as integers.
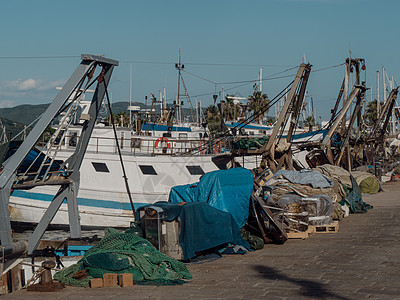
{"x": 162, "y": 139}
{"x": 203, "y": 147}
{"x": 216, "y": 148}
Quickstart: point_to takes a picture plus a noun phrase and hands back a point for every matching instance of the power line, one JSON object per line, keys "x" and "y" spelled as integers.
{"x": 203, "y": 64}
{"x": 327, "y": 68}
{"x": 147, "y": 62}
{"x": 235, "y": 65}
{"x": 270, "y": 77}
{"x": 40, "y": 57}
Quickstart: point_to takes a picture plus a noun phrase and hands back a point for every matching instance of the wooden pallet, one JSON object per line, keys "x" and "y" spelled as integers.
{"x": 331, "y": 228}
{"x": 302, "y": 234}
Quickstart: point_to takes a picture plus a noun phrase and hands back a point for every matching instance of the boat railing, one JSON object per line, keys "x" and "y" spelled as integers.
{"x": 139, "y": 145}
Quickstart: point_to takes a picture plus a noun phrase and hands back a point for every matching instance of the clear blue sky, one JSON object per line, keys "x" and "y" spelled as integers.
{"x": 244, "y": 36}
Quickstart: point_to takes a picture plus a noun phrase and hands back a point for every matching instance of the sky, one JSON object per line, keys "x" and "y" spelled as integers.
{"x": 223, "y": 45}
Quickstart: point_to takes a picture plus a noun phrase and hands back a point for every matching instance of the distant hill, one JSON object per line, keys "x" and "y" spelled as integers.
{"x": 25, "y": 114}
{"x": 14, "y": 118}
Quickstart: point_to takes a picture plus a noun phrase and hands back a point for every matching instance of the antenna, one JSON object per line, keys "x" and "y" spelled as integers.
{"x": 180, "y": 67}
{"x": 349, "y": 50}
{"x": 130, "y": 95}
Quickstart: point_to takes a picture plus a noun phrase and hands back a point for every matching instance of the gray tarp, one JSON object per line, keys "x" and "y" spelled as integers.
{"x": 305, "y": 177}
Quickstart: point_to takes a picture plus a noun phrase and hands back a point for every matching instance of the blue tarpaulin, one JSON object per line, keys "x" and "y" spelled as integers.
{"x": 227, "y": 190}
{"x": 203, "y": 227}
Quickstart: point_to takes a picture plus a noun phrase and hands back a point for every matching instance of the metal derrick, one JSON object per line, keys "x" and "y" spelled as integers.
{"x": 79, "y": 81}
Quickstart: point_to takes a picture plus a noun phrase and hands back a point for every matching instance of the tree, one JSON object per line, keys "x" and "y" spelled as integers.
{"x": 257, "y": 102}
{"x": 121, "y": 119}
{"x": 370, "y": 114}
{"x": 270, "y": 120}
{"x": 309, "y": 121}
{"x": 213, "y": 119}
{"x": 231, "y": 111}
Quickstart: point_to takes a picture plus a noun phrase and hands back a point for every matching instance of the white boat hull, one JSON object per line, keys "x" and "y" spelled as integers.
{"x": 102, "y": 198}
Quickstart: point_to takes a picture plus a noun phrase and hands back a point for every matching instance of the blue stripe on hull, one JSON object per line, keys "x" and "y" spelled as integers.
{"x": 81, "y": 201}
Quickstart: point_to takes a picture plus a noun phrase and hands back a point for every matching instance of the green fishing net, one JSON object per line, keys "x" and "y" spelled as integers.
{"x": 250, "y": 143}
{"x": 120, "y": 252}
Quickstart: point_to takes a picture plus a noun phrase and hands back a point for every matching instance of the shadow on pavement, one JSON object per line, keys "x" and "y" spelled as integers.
{"x": 308, "y": 287}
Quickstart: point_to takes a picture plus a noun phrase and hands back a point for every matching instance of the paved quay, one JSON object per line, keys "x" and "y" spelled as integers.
{"x": 361, "y": 261}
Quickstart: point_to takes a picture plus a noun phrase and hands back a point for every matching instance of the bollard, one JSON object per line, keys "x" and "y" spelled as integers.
{"x": 46, "y": 283}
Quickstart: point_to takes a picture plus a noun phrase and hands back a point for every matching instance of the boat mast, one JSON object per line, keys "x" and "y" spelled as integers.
{"x": 378, "y": 102}
{"x": 130, "y": 96}
{"x": 179, "y": 66}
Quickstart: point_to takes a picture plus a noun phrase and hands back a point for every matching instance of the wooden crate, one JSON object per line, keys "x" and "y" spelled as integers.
{"x": 125, "y": 279}
{"x": 110, "y": 280}
{"x": 331, "y": 228}
{"x": 96, "y": 283}
{"x": 302, "y": 234}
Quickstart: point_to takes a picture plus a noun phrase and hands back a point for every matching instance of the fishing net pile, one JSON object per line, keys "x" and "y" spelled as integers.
{"x": 351, "y": 186}
{"x": 120, "y": 252}
{"x": 249, "y": 143}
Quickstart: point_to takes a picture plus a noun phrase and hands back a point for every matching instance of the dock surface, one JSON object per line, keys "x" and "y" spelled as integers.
{"x": 361, "y": 261}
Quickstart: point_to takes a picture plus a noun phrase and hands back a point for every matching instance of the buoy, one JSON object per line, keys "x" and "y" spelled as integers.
{"x": 162, "y": 139}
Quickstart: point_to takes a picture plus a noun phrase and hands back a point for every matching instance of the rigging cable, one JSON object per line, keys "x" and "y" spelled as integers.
{"x": 272, "y": 102}
{"x": 119, "y": 150}
{"x": 270, "y": 77}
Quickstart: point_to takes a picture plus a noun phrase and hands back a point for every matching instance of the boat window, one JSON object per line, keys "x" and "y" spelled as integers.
{"x": 73, "y": 138}
{"x": 167, "y": 134}
{"x": 195, "y": 170}
{"x": 135, "y": 142}
{"x": 183, "y": 136}
{"x": 147, "y": 170}
{"x": 100, "y": 167}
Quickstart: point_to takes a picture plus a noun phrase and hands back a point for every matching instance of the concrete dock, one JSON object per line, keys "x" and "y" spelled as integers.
{"x": 361, "y": 261}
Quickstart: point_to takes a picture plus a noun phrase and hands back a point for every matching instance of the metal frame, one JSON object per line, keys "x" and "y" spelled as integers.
{"x": 294, "y": 101}
{"x": 67, "y": 191}
{"x": 339, "y": 124}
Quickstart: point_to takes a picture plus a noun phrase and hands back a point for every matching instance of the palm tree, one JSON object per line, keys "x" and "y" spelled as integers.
{"x": 258, "y": 103}
{"x": 213, "y": 119}
{"x": 370, "y": 114}
{"x": 231, "y": 110}
{"x": 309, "y": 121}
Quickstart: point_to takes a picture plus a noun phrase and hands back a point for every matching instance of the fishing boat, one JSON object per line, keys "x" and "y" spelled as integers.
{"x": 154, "y": 163}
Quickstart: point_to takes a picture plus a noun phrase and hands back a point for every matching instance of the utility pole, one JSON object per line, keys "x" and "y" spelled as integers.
{"x": 179, "y": 66}
{"x": 161, "y": 104}
{"x": 393, "y": 111}
{"x": 130, "y": 95}
{"x": 260, "y": 79}
{"x": 378, "y": 102}
{"x": 371, "y": 93}
{"x": 346, "y": 85}
{"x": 197, "y": 110}
{"x": 384, "y": 84}
{"x": 165, "y": 100}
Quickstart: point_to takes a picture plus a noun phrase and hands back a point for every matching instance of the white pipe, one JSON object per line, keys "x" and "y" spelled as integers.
{"x": 377, "y": 92}
{"x": 130, "y": 95}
